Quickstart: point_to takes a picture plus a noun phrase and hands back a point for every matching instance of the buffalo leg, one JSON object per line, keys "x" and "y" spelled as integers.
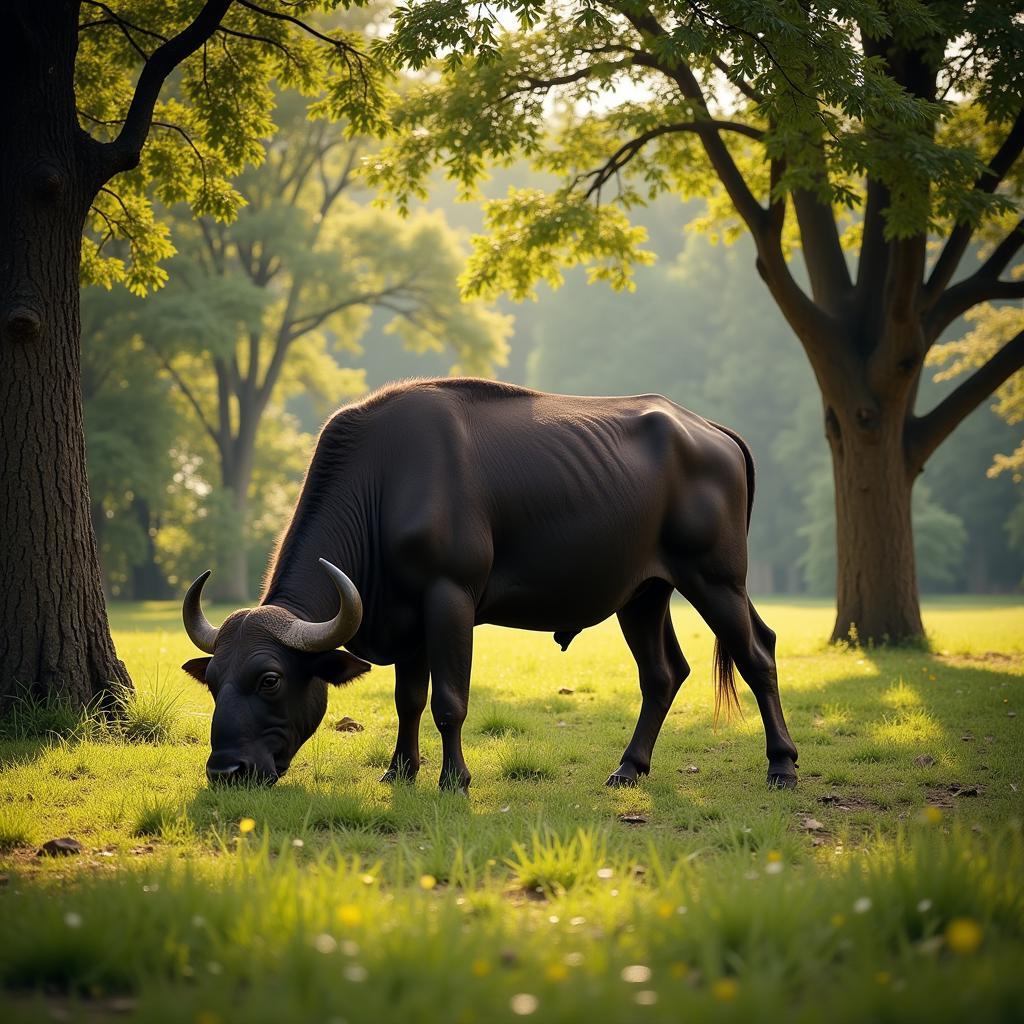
{"x": 449, "y": 622}
{"x": 647, "y": 627}
{"x": 727, "y": 609}
{"x": 411, "y": 677}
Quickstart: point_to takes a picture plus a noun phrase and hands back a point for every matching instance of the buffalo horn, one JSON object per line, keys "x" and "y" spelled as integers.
{"x": 326, "y": 636}
{"x": 197, "y": 625}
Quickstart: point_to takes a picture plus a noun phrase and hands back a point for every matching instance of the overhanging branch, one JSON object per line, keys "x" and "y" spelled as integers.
{"x": 1004, "y": 252}
{"x": 125, "y": 151}
{"x": 960, "y": 237}
{"x": 926, "y": 433}
{"x": 622, "y": 156}
{"x": 964, "y": 296}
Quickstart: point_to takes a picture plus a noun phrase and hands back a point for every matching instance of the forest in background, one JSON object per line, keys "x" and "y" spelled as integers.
{"x": 162, "y": 515}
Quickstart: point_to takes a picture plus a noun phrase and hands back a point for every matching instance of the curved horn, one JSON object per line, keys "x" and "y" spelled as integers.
{"x": 326, "y": 636}
{"x": 198, "y": 627}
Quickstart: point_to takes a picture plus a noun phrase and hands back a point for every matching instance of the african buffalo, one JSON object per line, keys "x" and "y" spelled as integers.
{"x": 454, "y": 502}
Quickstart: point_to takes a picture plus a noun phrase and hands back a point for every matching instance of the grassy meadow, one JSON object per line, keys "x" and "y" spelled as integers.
{"x": 888, "y": 886}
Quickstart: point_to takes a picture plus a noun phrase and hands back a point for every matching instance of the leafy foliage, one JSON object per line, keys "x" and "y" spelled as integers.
{"x": 619, "y": 100}
{"x": 217, "y": 109}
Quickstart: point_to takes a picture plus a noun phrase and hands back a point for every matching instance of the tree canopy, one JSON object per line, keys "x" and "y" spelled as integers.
{"x": 221, "y": 60}
{"x": 891, "y": 133}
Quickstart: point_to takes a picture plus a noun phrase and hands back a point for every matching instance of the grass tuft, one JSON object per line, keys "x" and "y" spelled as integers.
{"x": 51, "y": 717}
{"x": 499, "y": 724}
{"x": 15, "y": 828}
{"x": 523, "y": 762}
{"x": 551, "y": 865}
{"x": 330, "y": 813}
{"x": 161, "y": 820}
{"x": 147, "y": 715}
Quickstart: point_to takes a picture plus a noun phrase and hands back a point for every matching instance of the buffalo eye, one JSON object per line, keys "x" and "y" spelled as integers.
{"x": 270, "y": 683}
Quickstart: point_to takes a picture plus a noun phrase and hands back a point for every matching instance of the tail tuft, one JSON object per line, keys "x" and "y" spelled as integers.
{"x": 725, "y": 684}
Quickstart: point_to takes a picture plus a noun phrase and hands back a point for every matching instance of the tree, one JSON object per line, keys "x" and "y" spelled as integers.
{"x": 881, "y": 130}
{"x": 939, "y": 538}
{"x": 131, "y": 424}
{"x": 265, "y": 304}
{"x": 82, "y": 82}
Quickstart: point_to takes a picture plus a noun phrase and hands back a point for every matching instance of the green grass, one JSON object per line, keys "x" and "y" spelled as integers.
{"x": 700, "y": 895}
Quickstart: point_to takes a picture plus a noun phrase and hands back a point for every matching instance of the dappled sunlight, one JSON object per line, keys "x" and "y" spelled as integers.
{"x": 545, "y": 728}
{"x": 900, "y": 696}
{"x": 893, "y": 744}
{"x": 906, "y": 729}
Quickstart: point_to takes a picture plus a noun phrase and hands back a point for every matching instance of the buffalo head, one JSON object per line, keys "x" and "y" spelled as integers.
{"x": 268, "y": 673}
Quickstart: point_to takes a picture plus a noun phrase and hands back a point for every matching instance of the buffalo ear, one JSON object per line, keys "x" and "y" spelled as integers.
{"x": 197, "y": 667}
{"x": 339, "y": 667}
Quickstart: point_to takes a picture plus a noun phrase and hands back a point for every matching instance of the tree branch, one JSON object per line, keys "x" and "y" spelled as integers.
{"x": 185, "y": 390}
{"x": 926, "y": 433}
{"x": 533, "y": 84}
{"x": 738, "y": 81}
{"x": 823, "y": 253}
{"x": 628, "y": 150}
{"x": 125, "y": 151}
{"x": 963, "y": 296}
{"x": 304, "y": 25}
{"x": 1004, "y": 252}
{"x": 265, "y": 40}
{"x": 305, "y": 324}
{"x": 121, "y": 20}
{"x": 960, "y": 237}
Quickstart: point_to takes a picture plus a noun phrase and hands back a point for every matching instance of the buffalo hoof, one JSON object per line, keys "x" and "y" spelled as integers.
{"x": 779, "y": 781}
{"x": 623, "y": 776}
{"x": 394, "y": 777}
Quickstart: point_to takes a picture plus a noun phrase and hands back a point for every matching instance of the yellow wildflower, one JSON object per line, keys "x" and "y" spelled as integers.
{"x": 427, "y": 882}
{"x": 724, "y": 990}
{"x": 349, "y": 914}
{"x": 963, "y": 935}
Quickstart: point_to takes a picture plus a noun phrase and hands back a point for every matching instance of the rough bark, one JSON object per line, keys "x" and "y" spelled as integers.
{"x": 876, "y": 579}
{"x": 54, "y": 636}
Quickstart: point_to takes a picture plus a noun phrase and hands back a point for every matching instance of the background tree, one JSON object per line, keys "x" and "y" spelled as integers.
{"x": 879, "y": 128}
{"x": 265, "y": 306}
{"x": 131, "y": 424}
{"x": 82, "y": 83}
{"x": 589, "y": 341}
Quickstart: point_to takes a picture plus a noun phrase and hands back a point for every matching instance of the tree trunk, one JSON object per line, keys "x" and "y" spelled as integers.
{"x": 876, "y": 580}
{"x": 232, "y": 576}
{"x": 54, "y": 636}
{"x": 233, "y": 572}
{"x": 149, "y": 583}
